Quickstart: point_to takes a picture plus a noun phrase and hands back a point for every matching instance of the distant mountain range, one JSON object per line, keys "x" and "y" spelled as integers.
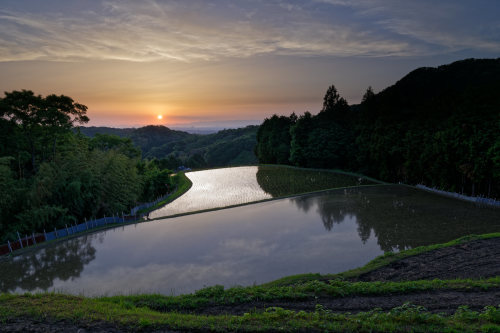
{"x": 223, "y": 148}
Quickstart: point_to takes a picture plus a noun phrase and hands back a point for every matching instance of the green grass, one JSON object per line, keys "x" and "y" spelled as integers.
{"x": 183, "y": 185}
{"x": 311, "y": 290}
{"x": 281, "y": 180}
{"x": 338, "y": 171}
{"x": 125, "y": 315}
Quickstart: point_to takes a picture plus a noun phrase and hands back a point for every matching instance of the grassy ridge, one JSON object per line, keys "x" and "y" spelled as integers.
{"x": 280, "y": 181}
{"x": 337, "y": 171}
{"x": 183, "y": 185}
{"x": 311, "y": 290}
{"x": 82, "y": 310}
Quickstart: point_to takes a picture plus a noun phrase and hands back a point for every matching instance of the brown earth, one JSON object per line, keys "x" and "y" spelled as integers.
{"x": 52, "y": 326}
{"x": 472, "y": 260}
{"x": 435, "y": 301}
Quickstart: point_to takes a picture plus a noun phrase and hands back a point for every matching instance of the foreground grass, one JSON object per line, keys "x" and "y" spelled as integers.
{"x": 124, "y": 314}
{"x": 310, "y": 290}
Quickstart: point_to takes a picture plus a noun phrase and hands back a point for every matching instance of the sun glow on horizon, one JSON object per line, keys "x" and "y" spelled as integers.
{"x": 160, "y": 117}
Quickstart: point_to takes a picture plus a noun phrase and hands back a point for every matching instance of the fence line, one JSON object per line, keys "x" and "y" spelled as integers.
{"x": 478, "y": 200}
{"x": 33, "y": 239}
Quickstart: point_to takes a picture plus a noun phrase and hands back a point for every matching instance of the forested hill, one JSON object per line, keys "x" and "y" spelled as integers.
{"x": 436, "y": 126}
{"x": 463, "y": 87}
{"x": 93, "y": 130}
{"x": 226, "y": 147}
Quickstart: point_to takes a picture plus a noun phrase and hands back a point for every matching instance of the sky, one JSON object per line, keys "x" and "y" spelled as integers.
{"x": 229, "y": 62}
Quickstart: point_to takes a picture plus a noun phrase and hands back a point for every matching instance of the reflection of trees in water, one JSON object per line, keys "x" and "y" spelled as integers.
{"x": 330, "y": 214}
{"x": 401, "y": 217}
{"x": 39, "y": 268}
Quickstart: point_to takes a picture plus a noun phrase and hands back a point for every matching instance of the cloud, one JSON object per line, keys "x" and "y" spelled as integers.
{"x": 201, "y": 31}
{"x": 445, "y": 26}
{"x": 133, "y": 32}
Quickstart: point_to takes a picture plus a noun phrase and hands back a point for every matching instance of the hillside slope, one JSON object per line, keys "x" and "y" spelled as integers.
{"x": 224, "y": 148}
{"x": 436, "y": 126}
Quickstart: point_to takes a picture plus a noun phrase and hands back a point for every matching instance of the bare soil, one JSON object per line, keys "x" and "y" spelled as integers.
{"x": 436, "y": 301}
{"x": 38, "y": 326}
{"x": 474, "y": 260}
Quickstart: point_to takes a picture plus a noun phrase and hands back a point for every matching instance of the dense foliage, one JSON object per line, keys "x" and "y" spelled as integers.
{"x": 176, "y": 148}
{"x": 436, "y": 126}
{"x": 51, "y": 176}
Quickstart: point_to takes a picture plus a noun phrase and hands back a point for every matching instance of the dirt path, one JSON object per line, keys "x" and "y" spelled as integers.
{"x": 62, "y": 326}
{"x": 435, "y": 301}
{"x": 474, "y": 260}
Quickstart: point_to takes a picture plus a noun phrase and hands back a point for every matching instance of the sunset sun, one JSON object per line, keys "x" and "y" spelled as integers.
{"x": 160, "y": 117}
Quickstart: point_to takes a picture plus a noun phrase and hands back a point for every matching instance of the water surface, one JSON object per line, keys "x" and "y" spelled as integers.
{"x": 216, "y": 188}
{"x": 325, "y": 233}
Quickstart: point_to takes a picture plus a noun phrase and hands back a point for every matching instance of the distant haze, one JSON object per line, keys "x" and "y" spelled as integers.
{"x": 214, "y": 126}
{"x": 229, "y": 63}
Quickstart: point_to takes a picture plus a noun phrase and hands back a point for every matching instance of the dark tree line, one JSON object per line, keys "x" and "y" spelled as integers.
{"x": 50, "y": 175}
{"x": 436, "y": 126}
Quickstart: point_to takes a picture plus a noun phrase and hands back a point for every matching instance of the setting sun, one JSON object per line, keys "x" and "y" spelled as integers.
{"x": 160, "y": 116}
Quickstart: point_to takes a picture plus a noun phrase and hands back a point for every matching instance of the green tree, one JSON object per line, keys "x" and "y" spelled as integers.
{"x": 300, "y": 138}
{"x": 41, "y": 120}
{"x": 368, "y": 95}
{"x": 274, "y": 139}
{"x": 331, "y": 99}
{"x": 107, "y": 142}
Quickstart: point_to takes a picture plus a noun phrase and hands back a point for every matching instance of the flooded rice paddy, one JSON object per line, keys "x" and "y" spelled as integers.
{"x": 216, "y": 188}
{"x": 224, "y": 187}
{"x": 326, "y": 233}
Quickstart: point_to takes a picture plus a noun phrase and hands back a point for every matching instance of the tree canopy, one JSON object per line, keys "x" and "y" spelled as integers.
{"x": 41, "y": 120}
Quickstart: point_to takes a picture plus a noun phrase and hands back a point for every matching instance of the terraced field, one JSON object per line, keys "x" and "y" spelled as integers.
{"x": 217, "y": 188}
